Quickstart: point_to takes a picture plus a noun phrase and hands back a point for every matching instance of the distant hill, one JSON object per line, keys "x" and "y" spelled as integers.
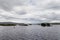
{"x": 12, "y": 24}
{"x": 7, "y": 23}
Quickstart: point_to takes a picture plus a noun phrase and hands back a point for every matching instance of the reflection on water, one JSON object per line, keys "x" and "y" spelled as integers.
{"x": 33, "y": 32}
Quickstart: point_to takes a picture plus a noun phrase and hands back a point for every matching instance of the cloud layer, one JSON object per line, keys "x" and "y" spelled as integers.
{"x": 29, "y": 11}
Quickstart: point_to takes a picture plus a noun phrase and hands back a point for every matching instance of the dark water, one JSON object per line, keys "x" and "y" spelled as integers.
{"x": 33, "y": 32}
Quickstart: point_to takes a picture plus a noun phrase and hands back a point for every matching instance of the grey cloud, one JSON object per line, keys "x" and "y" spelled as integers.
{"x": 51, "y": 16}
{"x": 21, "y": 12}
{"x": 7, "y": 17}
{"x": 53, "y": 6}
{"x": 8, "y": 4}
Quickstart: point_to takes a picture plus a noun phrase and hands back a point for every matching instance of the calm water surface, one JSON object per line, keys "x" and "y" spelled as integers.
{"x": 33, "y": 32}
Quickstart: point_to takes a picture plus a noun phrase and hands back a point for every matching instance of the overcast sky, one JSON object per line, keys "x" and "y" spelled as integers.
{"x": 29, "y": 11}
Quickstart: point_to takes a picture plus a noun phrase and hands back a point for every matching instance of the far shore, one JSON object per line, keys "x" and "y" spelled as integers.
{"x": 22, "y": 24}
